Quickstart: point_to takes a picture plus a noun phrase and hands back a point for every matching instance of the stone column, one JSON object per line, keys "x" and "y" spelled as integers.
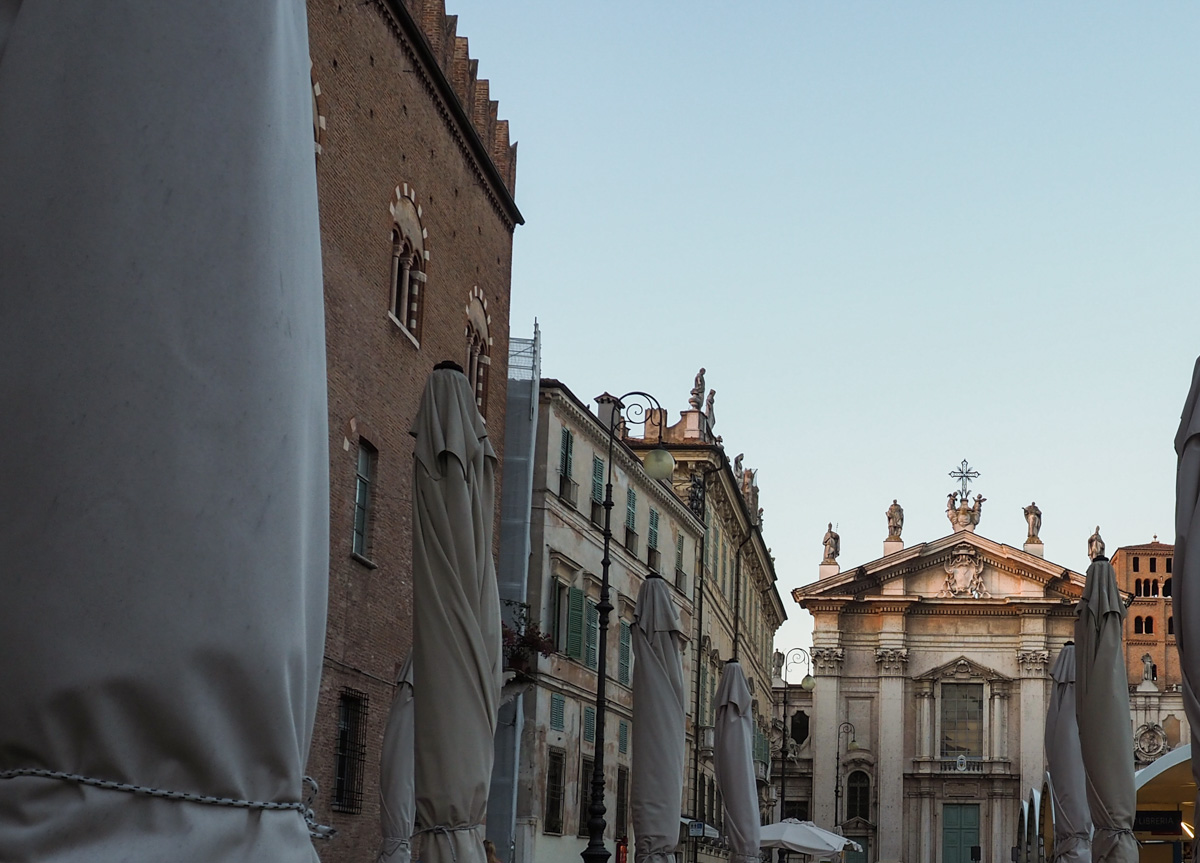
{"x": 925, "y": 828}
{"x": 924, "y": 727}
{"x": 1002, "y": 836}
{"x": 827, "y": 667}
{"x": 999, "y": 749}
{"x": 892, "y": 663}
{"x": 1032, "y": 665}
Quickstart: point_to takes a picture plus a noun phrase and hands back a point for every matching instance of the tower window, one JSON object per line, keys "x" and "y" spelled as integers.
{"x": 1154, "y": 564}
{"x": 1136, "y": 562}
{"x": 1137, "y": 626}
{"x": 1149, "y": 626}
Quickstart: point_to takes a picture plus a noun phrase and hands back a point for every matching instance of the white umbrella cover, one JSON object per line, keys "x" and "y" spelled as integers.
{"x": 456, "y": 639}
{"x": 164, "y": 490}
{"x": 733, "y": 759}
{"x": 1072, "y": 818}
{"x": 1102, "y": 711}
{"x": 656, "y": 793}
{"x": 1187, "y": 565}
{"x": 397, "y": 793}
{"x": 804, "y": 837}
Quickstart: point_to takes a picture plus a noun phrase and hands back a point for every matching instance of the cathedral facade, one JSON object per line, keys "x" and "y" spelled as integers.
{"x": 931, "y": 664}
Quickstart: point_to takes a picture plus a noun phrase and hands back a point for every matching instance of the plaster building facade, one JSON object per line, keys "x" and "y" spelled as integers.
{"x": 685, "y": 530}
{"x": 1151, "y": 654}
{"x": 932, "y": 679}
{"x": 415, "y": 178}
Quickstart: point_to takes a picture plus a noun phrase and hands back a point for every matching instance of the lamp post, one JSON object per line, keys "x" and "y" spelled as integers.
{"x": 844, "y": 728}
{"x": 658, "y": 464}
{"x": 795, "y": 655}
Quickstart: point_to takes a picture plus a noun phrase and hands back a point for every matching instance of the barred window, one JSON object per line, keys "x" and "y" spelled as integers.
{"x": 585, "y": 794}
{"x": 556, "y": 770}
{"x": 351, "y": 755}
{"x": 622, "y": 823}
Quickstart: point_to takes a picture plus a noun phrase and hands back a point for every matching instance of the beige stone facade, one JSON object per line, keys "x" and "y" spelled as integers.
{"x": 927, "y": 718}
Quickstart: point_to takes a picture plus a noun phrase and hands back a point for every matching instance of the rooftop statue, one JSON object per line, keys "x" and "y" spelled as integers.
{"x": 1033, "y": 516}
{"x": 964, "y": 516}
{"x": 833, "y": 545}
{"x": 697, "y": 396}
{"x": 895, "y": 520}
{"x": 1096, "y": 545}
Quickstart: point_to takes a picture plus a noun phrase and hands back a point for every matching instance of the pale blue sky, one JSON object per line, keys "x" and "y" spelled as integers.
{"x": 897, "y": 235}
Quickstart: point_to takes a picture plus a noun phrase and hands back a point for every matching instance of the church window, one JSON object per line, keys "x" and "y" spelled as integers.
{"x": 1168, "y": 564}
{"x": 858, "y": 795}
{"x": 962, "y": 720}
{"x": 1149, "y": 626}
{"x": 1137, "y": 587}
{"x": 1136, "y": 563}
{"x": 1167, "y": 585}
{"x": 1171, "y": 624}
{"x": 1154, "y": 564}
{"x": 1154, "y": 587}
{"x": 1137, "y": 626}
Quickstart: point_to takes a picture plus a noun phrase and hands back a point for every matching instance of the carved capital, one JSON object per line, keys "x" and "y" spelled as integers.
{"x": 924, "y": 689}
{"x": 999, "y": 688}
{"x": 828, "y": 660}
{"x": 891, "y": 660}
{"x": 1033, "y": 662}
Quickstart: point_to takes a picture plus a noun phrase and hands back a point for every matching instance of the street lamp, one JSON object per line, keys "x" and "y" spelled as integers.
{"x": 795, "y": 655}
{"x": 844, "y": 728}
{"x": 658, "y": 464}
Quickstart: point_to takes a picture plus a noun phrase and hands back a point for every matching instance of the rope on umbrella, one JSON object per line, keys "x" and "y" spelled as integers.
{"x": 315, "y": 829}
{"x": 443, "y": 830}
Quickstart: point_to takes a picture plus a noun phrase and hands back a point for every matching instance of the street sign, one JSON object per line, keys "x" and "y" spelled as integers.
{"x": 696, "y": 829}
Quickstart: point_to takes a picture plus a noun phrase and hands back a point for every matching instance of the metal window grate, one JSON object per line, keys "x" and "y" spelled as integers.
{"x": 622, "y": 820}
{"x": 556, "y": 771}
{"x": 351, "y": 756}
{"x": 585, "y": 794}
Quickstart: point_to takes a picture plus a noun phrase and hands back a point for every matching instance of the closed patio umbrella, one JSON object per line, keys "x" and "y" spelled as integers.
{"x": 1072, "y": 818}
{"x": 456, "y": 640}
{"x": 804, "y": 837}
{"x": 164, "y": 491}
{"x": 397, "y": 795}
{"x": 656, "y": 793}
{"x": 1185, "y": 594}
{"x": 733, "y": 756}
{"x": 1102, "y": 711}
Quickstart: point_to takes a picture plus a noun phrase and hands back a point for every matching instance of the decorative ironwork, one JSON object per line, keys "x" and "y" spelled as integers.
{"x": 964, "y": 474}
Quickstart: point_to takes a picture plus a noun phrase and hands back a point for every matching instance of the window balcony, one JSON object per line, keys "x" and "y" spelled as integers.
{"x": 962, "y": 764}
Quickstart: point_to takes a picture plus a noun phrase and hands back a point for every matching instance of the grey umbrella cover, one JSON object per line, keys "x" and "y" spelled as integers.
{"x": 656, "y": 793}
{"x": 164, "y": 491}
{"x": 733, "y": 758}
{"x": 1187, "y": 566}
{"x": 456, "y": 639}
{"x": 1072, "y": 818}
{"x": 1102, "y": 711}
{"x": 397, "y": 793}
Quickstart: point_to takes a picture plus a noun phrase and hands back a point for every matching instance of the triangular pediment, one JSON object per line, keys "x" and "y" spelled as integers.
{"x": 962, "y": 669}
{"x": 959, "y": 567}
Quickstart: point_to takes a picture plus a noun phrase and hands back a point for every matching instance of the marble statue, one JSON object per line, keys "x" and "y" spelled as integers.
{"x": 1096, "y": 545}
{"x": 964, "y": 516}
{"x": 697, "y": 396}
{"x": 895, "y": 520}
{"x": 952, "y": 508}
{"x": 737, "y": 465}
{"x": 777, "y": 664}
{"x": 710, "y": 412}
{"x": 1033, "y": 516}
{"x": 1147, "y": 667}
{"x": 977, "y": 508}
{"x": 833, "y": 545}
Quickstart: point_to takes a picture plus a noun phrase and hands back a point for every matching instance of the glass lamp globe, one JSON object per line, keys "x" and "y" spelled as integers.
{"x": 808, "y": 684}
{"x": 659, "y": 464}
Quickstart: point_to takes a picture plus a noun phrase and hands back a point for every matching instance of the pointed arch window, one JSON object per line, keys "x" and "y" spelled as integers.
{"x": 406, "y": 291}
{"x": 479, "y": 348}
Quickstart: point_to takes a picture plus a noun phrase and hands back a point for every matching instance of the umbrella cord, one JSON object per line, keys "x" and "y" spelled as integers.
{"x": 446, "y": 831}
{"x": 316, "y": 830}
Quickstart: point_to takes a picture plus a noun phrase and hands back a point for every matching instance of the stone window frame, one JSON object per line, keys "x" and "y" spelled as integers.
{"x": 478, "y": 359}
{"x": 407, "y": 280}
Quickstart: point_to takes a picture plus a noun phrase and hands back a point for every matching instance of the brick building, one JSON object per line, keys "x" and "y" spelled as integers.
{"x": 415, "y": 177}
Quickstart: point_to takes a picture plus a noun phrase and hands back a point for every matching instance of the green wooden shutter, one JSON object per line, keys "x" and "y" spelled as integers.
{"x": 589, "y": 724}
{"x": 703, "y": 692}
{"x": 625, "y": 654}
{"x": 652, "y": 537}
{"x": 566, "y": 452}
{"x": 592, "y": 639}
{"x": 623, "y": 737}
{"x": 679, "y": 552}
{"x": 597, "y": 479}
{"x": 631, "y": 510}
{"x": 575, "y": 623}
{"x": 557, "y": 712}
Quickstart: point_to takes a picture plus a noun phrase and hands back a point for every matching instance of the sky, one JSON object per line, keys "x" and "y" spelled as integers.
{"x": 896, "y": 235}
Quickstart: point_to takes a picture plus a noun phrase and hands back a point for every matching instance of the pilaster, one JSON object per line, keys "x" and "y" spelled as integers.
{"x": 1032, "y": 671}
{"x": 892, "y": 663}
{"x": 827, "y": 669}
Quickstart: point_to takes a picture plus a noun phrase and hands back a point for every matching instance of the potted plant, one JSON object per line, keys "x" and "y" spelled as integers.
{"x": 522, "y": 641}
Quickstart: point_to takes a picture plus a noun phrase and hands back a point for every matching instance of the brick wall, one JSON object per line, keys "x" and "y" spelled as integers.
{"x": 388, "y": 123}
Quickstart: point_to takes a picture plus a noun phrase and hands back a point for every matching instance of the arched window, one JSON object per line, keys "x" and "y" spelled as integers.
{"x": 1137, "y": 587}
{"x": 1149, "y": 626}
{"x": 406, "y": 301}
{"x": 1137, "y": 626}
{"x": 799, "y": 726}
{"x": 1154, "y": 587}
{"x": 1167, "y": 587}
{"x": 858, "y": 795}
{"x": 1171, "y": 624}
{"x": 479, "y": 347}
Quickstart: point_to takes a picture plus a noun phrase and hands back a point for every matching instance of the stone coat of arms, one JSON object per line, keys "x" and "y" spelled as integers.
{"x": 964, "y": 575}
